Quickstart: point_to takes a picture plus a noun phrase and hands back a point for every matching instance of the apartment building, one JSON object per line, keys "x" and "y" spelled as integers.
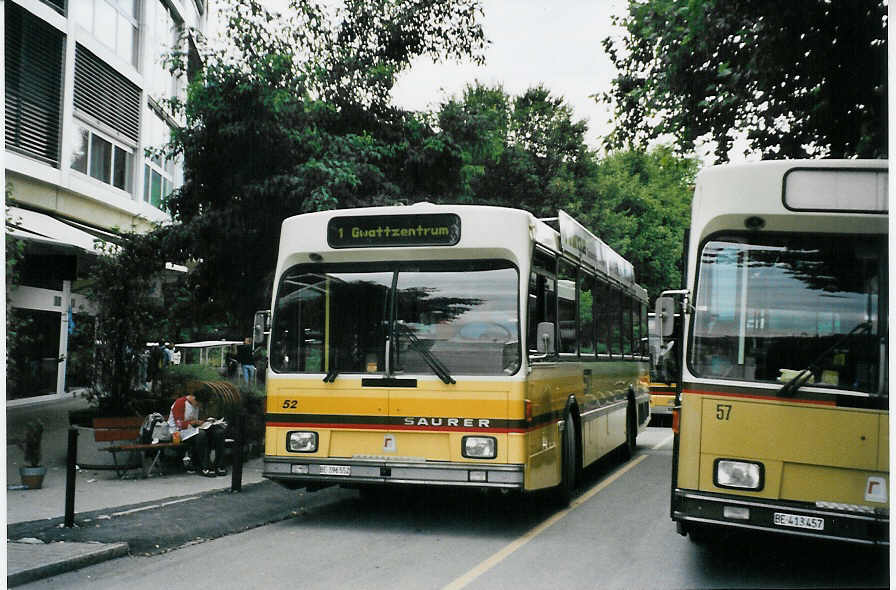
{"x": 85, "y": 91}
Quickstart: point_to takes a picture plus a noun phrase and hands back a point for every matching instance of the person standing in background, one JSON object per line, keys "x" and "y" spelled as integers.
{"x": 246, "y": 359}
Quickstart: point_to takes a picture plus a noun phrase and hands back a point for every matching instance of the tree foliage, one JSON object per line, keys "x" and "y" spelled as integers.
{"x": 293, "y": 115}
{"x": 640, "y": 204}
{"x": 124, "y": 284}
{"x": 526, "y": 151}
{"x": 16, "y": 322}
{"x": 529, "y": 152}
{"x": 800, "y": 79}
{"x": 297, "y": 117}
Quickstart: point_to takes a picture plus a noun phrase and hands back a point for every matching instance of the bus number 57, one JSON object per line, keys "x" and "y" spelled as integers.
{"x": 723, "y": 411}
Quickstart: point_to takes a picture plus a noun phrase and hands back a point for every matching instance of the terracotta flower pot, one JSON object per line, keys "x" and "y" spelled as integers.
{"x": 32, "y": 477}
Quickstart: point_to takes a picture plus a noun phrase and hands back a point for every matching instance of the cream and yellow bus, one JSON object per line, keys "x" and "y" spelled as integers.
{"x": 450, "y": 346}
{"x": 783, "y": 414}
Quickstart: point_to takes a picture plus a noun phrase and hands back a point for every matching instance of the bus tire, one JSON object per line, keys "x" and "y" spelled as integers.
{"x": 631, "y": 430}
{"x": 569, "y": 466}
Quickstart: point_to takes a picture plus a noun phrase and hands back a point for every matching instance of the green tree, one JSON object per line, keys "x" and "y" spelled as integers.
{"x": 639, "y": 203}
{"x": 16, "y": 322}
{"x": 124, "y": 283}
{"x": 476, "y": 125}
{"x": 529, "y": 152}
{"x": 294, "y": 116}
{"x": 800, "y": 79}
{"x": 526, "y": 151}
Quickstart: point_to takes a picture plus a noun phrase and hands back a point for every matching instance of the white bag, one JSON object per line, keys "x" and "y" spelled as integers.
{"x": 161, "y": 432}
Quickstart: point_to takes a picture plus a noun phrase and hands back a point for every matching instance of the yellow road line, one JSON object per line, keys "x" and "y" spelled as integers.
{"x": 498, "y": 557}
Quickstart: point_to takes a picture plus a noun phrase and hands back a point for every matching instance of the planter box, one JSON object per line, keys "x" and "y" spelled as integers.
{"x": 33, "y": 477}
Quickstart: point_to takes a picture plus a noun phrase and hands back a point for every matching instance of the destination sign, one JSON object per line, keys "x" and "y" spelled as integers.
{"x": 368, "y": 231}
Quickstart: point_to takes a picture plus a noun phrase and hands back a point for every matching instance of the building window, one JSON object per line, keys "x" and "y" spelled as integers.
{"x": 58, "y": 5}
{"x": 160, "y": 175}
{"x": 102, "y": 158}
{"x": 34, "y": 54}
{"x": 157, "y": 183}
{"x": 101, "y": 93}
{"x": 112, "y": 22}
{"x": 164, "y": 35}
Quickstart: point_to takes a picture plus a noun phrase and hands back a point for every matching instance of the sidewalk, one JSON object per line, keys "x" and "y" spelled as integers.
{"x": 114, "y": 517}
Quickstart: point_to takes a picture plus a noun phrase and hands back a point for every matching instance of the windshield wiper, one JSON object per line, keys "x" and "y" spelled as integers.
{"x": 331, "y": 376}
{"x": 431, "y": 360}
{"x": 791, "y": 387}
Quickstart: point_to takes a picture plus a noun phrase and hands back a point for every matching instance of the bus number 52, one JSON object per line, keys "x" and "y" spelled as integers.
{"x": 723, "y": 411}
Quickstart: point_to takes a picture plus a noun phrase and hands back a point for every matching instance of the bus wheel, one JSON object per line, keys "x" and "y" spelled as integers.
{"x": 567, "y": 485}
{"x": 631, "y": 430}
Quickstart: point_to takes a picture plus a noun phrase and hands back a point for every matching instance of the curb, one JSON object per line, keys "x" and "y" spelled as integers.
{"x": 67, "y": 556}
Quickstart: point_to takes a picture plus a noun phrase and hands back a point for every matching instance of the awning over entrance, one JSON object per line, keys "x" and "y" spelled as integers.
{"x": 39, "y": 227}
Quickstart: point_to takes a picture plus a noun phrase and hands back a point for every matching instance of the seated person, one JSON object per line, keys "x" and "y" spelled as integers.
{"x": 184, "y": 418}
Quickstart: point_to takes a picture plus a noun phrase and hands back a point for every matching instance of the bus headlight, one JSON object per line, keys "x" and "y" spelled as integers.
{"x": 479, "y": 447}
{"x": 301, "y": 442}
{"x": 741, "y": 475}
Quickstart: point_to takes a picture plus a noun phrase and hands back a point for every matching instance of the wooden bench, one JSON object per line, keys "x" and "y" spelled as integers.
{"x": 128, "y": 429}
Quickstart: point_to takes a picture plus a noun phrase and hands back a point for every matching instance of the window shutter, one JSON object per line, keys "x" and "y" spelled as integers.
{"x": 34, "y": 58}
{"x": 105, "y": 94}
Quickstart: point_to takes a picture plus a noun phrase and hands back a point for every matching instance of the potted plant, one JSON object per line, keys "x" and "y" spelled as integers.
{"x": 33, "y": 472}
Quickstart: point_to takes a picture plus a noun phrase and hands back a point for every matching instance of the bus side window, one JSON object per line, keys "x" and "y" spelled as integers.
{"x": 639, "y": 311}
{"x": 627, "y": 311}
{"x": 586, "y": 315}
{"x": 542, "y": 297}
{"x": 601, "y": 312}
{"x": 613, "y": 306}
{"x": 566, "y": 308}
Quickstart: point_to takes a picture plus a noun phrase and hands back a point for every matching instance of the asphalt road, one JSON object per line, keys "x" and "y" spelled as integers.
{"x": 616, "y": 534}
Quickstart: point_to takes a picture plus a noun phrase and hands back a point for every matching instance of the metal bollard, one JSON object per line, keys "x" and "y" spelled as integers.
{"x": 70, "y": 477}
{"x": 236, "y": 482}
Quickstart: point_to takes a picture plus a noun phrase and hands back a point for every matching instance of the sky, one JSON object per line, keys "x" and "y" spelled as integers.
{"x": 554, "y": 43}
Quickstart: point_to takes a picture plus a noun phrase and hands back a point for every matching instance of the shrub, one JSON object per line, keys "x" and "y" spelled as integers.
{"x": 123, "y": 283}
{"x": 31, "y": 443}
{"x": 174, "y": 378}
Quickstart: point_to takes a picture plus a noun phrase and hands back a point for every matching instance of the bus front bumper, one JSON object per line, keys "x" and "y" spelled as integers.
{"x": 296, "y": 472}
{"x": 854, "y": 524}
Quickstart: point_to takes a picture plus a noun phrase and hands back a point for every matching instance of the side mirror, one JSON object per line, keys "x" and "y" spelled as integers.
{"x": 544, "y": 334}
{"x": 665, "y": 316}
{"x": 260, "y": 326}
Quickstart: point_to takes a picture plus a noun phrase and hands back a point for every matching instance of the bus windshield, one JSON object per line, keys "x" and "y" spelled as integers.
{"x": 770, "y": 308}
{"x": 337, "y": 318}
